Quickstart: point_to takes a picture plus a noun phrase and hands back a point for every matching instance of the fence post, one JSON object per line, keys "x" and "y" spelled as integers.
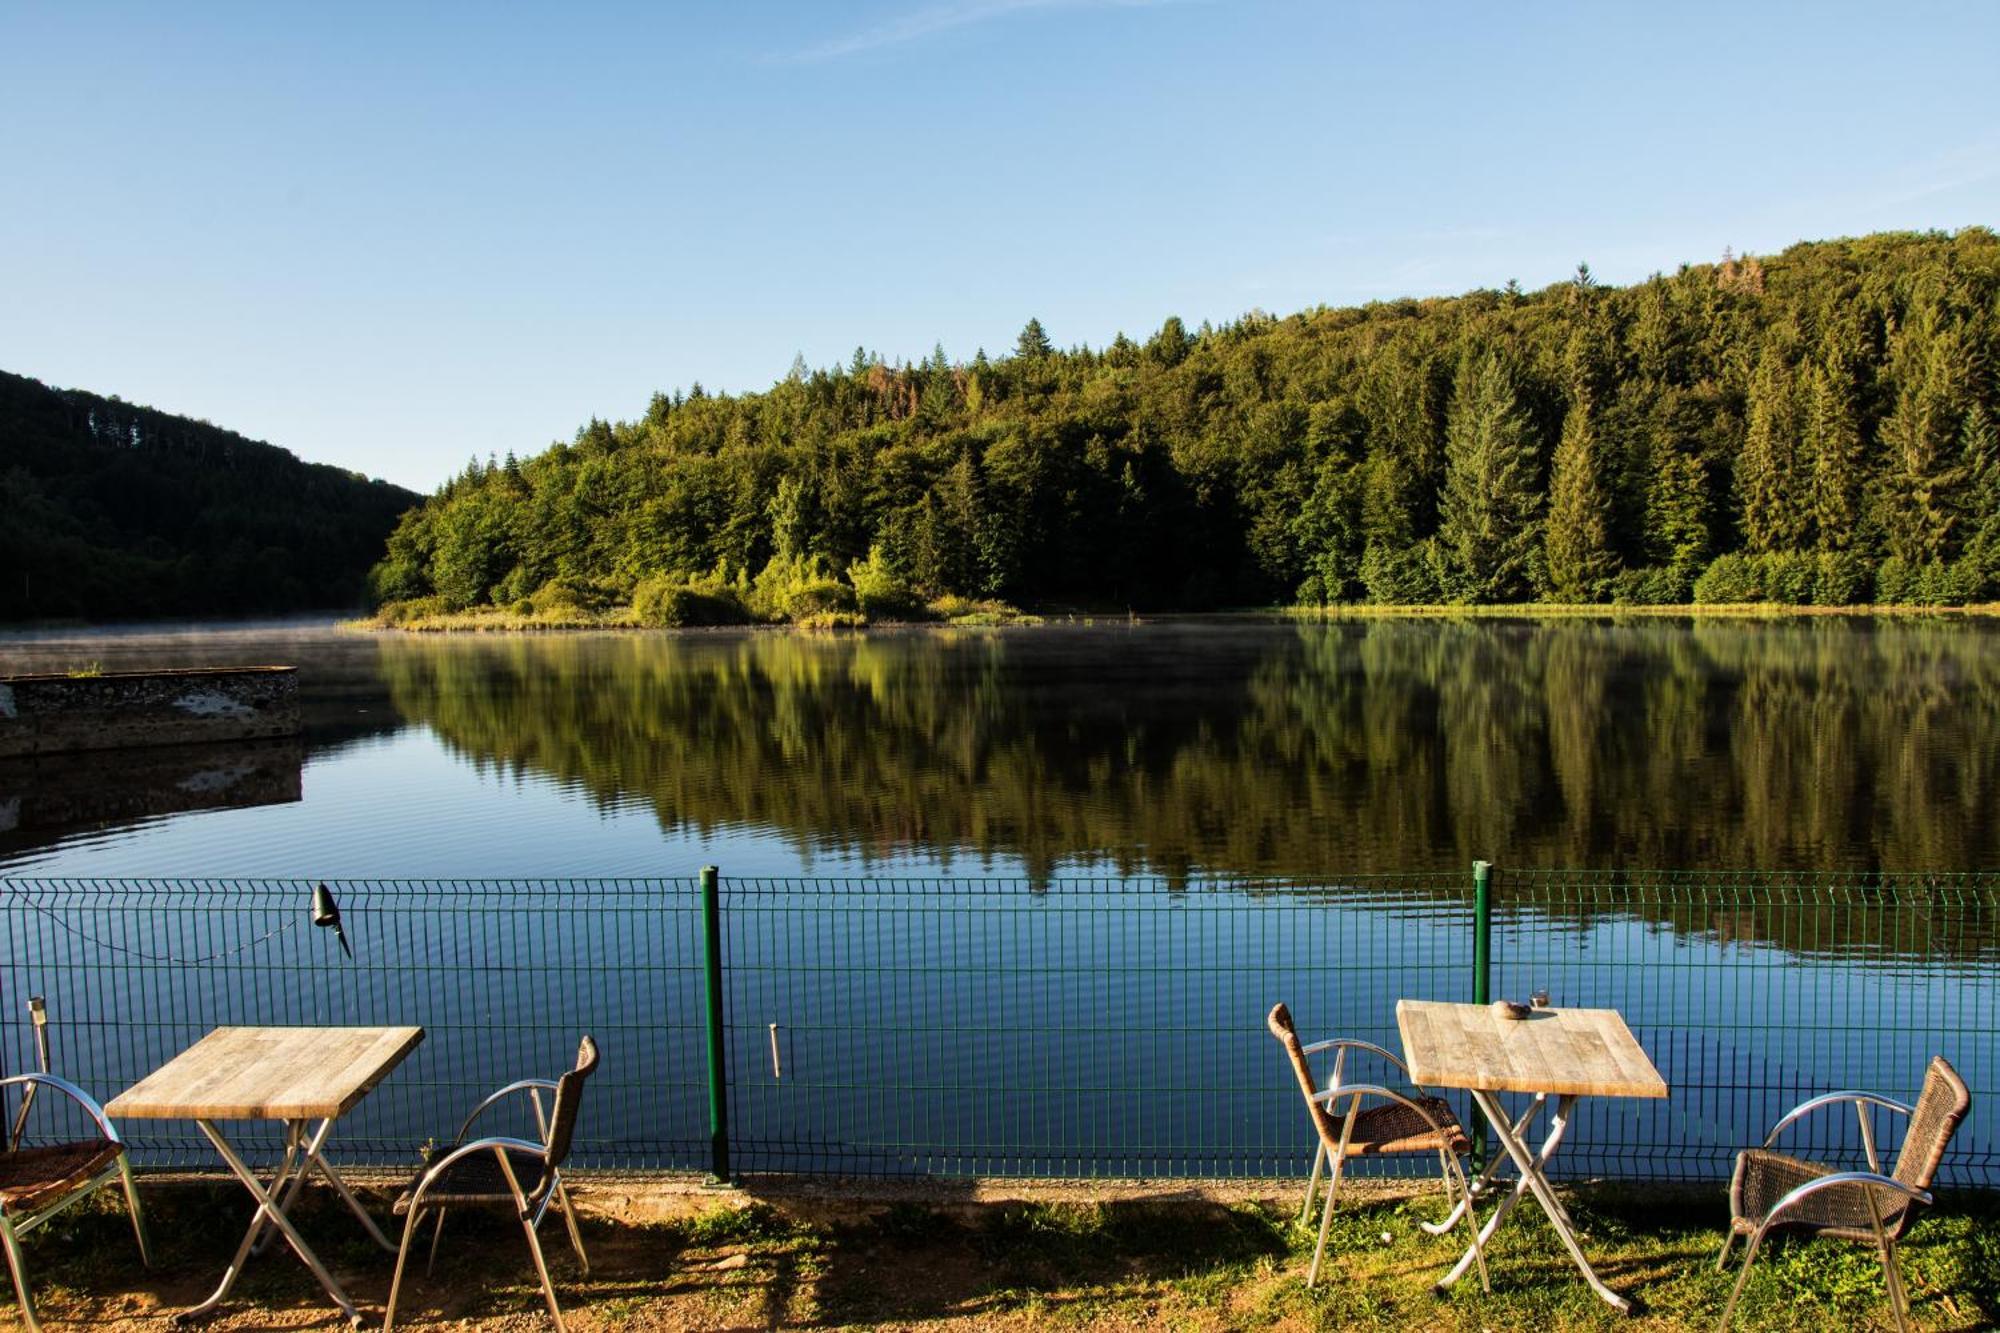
{"x": 1482, "y": 970}
{"x": 718, "y": 1064}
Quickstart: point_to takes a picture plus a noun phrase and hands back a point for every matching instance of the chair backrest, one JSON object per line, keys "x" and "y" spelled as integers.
{"x": 569, "y": 1099}
{"x": 1280, "y": 1023}
{"x": 1940, "y": 1106}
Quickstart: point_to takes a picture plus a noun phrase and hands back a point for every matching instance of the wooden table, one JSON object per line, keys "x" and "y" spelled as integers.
{"x": 1560, "y": 1053}
{"x": 294, "y": 1074}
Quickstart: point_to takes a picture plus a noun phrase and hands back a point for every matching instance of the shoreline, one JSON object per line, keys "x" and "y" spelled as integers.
{"x": 622, "y": 619}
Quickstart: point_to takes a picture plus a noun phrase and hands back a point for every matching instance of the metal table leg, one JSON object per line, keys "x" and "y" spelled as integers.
{"x": 1530, "y": 1166}
{"x": 269, "y": 1212}
{"x": 1484, "y": 1179}
{"x": 1558, "y": 1124}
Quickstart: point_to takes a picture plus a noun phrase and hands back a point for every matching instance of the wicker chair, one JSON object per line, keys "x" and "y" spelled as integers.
{"x": 38, "y": 1183}
{"x": 1400, "y": 1124}
{"x": 1770, "y": 1189}
{"x": 504, "y": 1172}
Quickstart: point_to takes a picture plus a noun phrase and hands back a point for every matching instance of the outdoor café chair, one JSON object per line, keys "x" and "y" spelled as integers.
{"x": 38, "y": 1183}
{"x": 1399, "y": 1125}
{"x": 504, "y": 1172}
{"x": 1770, "y": 1189}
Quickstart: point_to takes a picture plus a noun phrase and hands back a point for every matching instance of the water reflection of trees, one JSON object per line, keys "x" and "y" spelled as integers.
{"x": 1275, "y": 750}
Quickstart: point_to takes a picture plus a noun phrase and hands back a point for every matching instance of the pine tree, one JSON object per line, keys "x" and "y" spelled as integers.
{"x": 1490, "y": 518}
{"x": 1033, "y": 343}
{"x": 1922, "y": 467}
{"x": 1770, "y": 484}
{"x": 1577, "y": 543}
{"x": 1833, "y": 438}
{"x": 1980, "y": 448}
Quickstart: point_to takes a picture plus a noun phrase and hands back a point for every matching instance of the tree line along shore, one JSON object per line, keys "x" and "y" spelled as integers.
{"x": 1815, "y": 427}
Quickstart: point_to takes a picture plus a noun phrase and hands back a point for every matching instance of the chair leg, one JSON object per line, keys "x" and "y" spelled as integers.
{"x": 1899, "y": 1300}
{"x": 569, "y": 1221}
{"x": 437, "y": 1234}
{"x": 1312, "y": 1184}
{"x": 1325, "y": 1221}
{"x": 1736, "y": 1292}
{"x": 542, "y": 1269}
{"x": 13, "y": 1247}
{"x": 410, "y": 1225}
{"x": 138, "y": 1213}
{"x": 1471, "y": 1219}
{"x": 1728, "y": 1240}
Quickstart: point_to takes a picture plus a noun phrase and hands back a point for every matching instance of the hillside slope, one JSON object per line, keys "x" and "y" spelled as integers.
{"x": 1815, "y": 426}
{"x": 115, "y": 510}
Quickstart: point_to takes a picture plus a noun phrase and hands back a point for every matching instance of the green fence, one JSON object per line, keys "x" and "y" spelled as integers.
{"x": 1081, "y": 1027}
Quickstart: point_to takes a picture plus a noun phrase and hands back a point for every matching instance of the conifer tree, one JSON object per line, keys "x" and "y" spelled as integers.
{"x": 1490, "y": 518}
{"x": 1833, "y": 438}
{"x": 1033, "y": 343}
{"x": 1922, "y": 465}
{"x": 1769, "y": 486}
{"x": 1577, "y": 544}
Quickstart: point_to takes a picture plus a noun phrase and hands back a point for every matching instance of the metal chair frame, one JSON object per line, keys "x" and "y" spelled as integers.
{"x": 14, "y": 1225}
{"x": 1872, "y": 1179}
{"x": 529, "y": 1209}
{"x": 1451, "y": 1172}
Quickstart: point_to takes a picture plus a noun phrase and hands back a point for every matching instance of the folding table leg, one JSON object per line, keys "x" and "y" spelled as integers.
{"x": 268, "y": 1212}
{"x": 354, "y": 1205}
{"x": 1480, "y": 1182}
{"x": 1532, "y": 1177}
{"x": 1494, "y": 1112}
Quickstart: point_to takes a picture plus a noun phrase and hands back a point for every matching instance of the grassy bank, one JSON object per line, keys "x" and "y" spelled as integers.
{"x": 1186, "y": 1261}
{"x": 947, "y": 611}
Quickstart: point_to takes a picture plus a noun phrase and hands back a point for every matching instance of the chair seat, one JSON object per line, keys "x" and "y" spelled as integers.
{"x": 476, "y": 1180}
{"x": 1763, "y": 1178}
{"x": 31, "y": 1177}
{"x": 1392, "y": 1127}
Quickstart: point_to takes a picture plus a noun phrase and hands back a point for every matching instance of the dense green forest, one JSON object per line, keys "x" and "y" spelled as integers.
{"x": 1815, "y": 426}
{"x": 112, "y": 509}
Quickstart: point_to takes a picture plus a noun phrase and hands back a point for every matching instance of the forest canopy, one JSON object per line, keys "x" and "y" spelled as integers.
{"x": 1817, "y": 426}
{"x": 112, "y": 509}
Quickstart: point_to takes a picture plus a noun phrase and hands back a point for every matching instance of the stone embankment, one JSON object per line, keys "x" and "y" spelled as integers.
{"x": 52, "y": 714}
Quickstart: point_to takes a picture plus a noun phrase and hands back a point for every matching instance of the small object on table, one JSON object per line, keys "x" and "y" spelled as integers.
{"x": 293, "y": 1074}
{"x": 1540, "y": 999}
{"x": 1510, "y": 1009}
{"x": 1565, "y": 1054}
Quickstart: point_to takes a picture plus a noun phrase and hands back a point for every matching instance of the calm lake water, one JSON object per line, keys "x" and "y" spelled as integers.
{"x": 1205, "y": 747}
{"x": 1269, "y": 811}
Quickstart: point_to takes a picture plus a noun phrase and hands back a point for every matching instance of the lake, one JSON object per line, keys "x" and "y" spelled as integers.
{"x": 1177, "y": 748}
{"x": 1016, "y": 901}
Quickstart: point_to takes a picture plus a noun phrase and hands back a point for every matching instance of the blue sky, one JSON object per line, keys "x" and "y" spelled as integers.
{"x": 394, "y": 236}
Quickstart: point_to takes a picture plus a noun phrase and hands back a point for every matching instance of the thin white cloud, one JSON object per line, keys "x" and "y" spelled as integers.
{"x": 921, "y": 23}
{"x": 1942, "y": 172}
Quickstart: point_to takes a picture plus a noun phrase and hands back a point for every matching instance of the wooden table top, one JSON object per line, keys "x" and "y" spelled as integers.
{"x": 1585, "y": 1052}
{"x": 284, "y": 1073}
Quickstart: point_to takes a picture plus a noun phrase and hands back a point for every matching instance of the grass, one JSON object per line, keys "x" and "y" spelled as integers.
{"x": 947, "y": 611}
{"x": 1192, "y": 1263}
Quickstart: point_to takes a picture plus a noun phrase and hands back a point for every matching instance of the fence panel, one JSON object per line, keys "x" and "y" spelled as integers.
{"x": 1077, "y": 1028}
{"x": 502, "y": 975}
{"x": 1753, "y": 992}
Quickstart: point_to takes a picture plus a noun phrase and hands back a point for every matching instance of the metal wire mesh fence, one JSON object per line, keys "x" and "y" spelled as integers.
{"x": 970, "y": 1027}
{"x": 502, "y": 975}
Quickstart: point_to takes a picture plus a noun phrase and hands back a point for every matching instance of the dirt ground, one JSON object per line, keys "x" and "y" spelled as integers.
{"x": 991, "y": 1256}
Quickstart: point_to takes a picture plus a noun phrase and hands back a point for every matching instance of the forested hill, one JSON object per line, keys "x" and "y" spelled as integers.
{"x": 1817, "y": 425}
{"x": 115, "y": 510}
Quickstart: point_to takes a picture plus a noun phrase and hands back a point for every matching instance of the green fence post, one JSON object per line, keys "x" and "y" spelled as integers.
{"x": 718, "y": 1065}
{"x": 1482, "y": 970}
